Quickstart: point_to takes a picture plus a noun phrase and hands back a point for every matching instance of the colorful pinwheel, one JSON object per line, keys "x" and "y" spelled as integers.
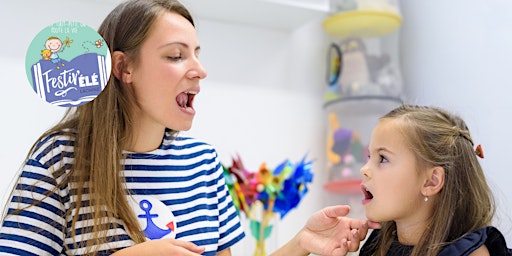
{"x": 263, "y": 194}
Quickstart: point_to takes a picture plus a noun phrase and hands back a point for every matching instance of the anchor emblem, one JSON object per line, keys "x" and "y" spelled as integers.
{"x": 152, "y": 231}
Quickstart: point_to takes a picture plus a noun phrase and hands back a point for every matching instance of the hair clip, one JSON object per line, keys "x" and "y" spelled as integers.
{"x": 479, "y": 151}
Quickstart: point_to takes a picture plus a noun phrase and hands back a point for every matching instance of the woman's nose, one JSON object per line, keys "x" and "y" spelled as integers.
{"x": 198, "y": 71}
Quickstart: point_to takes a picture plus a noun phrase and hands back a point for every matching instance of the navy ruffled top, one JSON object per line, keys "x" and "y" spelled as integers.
{"x": 490, "y": 236}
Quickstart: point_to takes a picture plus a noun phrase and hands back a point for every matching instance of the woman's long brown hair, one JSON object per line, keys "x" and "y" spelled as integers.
{"x": 101, "y": 129}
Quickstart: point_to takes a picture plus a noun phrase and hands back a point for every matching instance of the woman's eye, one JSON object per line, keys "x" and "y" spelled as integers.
{"x": 174, "y": 58}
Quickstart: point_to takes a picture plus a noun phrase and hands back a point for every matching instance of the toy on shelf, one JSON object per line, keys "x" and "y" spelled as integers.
{"x": 362, "y": 18}
{"x": 362, "y": 59}
{"x": 346, "y": 154}
{"x": 262, "y": 195}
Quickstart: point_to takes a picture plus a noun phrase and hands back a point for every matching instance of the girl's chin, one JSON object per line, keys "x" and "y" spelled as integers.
{"x": 372, "y": 216}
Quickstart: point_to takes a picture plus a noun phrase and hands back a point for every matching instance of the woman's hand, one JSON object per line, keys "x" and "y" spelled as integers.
{"x": 164, "y": 246}
{"x": 328, "y": 232}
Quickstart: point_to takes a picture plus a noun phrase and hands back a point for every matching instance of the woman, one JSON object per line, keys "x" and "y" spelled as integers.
{"x": 114, "y": 177}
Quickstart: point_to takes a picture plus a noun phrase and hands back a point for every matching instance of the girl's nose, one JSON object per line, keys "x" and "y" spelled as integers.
{"x": 365, "y": 171}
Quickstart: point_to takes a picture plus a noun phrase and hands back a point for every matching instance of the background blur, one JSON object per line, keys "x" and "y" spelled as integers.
{"x": 263, "y": 98}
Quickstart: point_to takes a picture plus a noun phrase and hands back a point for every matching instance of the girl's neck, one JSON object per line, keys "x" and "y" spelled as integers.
{"x": 410, "y": 233}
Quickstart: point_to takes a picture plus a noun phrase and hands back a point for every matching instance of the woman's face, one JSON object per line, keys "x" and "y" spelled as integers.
{"x": 391, "y": 180}
{"x": 166, "y": 76}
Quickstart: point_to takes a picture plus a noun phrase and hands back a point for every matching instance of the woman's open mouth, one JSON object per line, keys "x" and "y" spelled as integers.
{"x": 185, "y": 101}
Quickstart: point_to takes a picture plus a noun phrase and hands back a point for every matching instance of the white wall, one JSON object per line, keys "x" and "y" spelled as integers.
{"x": 457, "y": 54}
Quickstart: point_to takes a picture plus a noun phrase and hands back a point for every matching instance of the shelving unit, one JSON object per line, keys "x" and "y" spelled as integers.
{"x": 276, "y": 14}
{"x": 356, "y": 96}
{"x": 362, "y": 23}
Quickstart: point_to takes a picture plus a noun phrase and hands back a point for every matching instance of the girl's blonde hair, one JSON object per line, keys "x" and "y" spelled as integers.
{"x": 465, "y": 203}
{"x": 102, "y": 128}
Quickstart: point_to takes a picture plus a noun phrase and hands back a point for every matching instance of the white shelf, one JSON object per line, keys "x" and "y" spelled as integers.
{"x": 276, "y": 14}
{"x": 363, "y": 105}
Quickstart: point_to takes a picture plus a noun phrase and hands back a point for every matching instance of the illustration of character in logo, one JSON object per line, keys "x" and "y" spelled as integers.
{"x": 54, "y": 44}
{"x": 46, "y": 54}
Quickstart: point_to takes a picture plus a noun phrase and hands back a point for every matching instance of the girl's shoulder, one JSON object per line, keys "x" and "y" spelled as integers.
{"x": 489, "y": 236}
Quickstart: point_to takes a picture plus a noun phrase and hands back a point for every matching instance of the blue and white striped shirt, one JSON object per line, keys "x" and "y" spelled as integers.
{"x": 177, "y": 191}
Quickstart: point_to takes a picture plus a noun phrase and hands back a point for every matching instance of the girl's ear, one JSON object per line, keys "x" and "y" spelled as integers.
{"x": 120, "y": 67}
{"x": 434, "y": 181}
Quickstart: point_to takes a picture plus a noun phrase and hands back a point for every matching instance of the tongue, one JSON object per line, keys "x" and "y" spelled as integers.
{"x": 182, "y": 100}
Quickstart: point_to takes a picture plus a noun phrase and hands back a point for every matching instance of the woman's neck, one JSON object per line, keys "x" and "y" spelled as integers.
{"x": 146, "y": 138}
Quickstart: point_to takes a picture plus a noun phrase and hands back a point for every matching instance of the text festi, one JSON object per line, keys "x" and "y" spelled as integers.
{"x": 70, "y": 77}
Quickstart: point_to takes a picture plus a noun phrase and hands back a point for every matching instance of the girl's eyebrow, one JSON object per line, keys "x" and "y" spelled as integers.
{"x": 380, "y": 149}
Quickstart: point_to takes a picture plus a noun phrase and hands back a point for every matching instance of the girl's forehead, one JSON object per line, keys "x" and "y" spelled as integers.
{"x": 388, "y": 133}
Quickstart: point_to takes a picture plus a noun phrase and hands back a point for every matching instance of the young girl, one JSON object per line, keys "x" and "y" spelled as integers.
{"x": 114, "y": 177}
{"x": 424, "y": 184}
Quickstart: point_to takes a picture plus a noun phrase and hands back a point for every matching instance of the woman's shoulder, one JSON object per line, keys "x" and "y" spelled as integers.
{"x": 489, "y": 236}
{"x": 180, "y": 142}
{"x": 53, "y": 143}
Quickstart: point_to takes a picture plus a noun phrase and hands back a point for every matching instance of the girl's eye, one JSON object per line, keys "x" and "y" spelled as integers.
{"x": 383, "y": 159}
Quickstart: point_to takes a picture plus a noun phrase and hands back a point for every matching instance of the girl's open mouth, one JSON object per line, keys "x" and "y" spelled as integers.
{"x": 368, "y": 196}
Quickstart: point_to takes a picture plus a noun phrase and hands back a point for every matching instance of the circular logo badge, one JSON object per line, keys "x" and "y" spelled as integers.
{"x": 68, "y": 64}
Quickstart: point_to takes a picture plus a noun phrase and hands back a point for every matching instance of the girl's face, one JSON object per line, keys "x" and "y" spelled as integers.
{"x": 166, "y": 76}
{"x": 391, "y": 181}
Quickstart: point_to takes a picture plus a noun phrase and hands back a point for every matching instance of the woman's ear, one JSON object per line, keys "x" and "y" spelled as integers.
{"x": 120, "y": 67}
{"x": 434, "y": 181}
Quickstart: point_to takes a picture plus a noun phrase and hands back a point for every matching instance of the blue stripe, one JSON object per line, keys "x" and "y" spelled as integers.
{"x": 31, "y": 201}
{"x": 171, "y": 156}
{"x": 189, "y": 199}
{"x": 88, "y": 229}
{"x": 160, "y": 191}
{"x": 34, "y": 229}
{"x": 38, "y": 217}
{"x": 195, "y": 208}
{"x": 54, "y": 145}
{"x": 189, "y": 145}
{"x": 232, "y": 241}
{"x": 229, "y": 218}
{"x": 16, "y": 251}
{"x": 223, "y": 210}
{"x": 198, "y": 219}
{"x": 203, "y": 231}
{"x": 48, "y": 138}
{"x": 178, "y": 179}
{"x": 27, "y": 240}
{"x": 57, "y": 158}
{"x": 113, "y": 238}
{"x": 134, "y": 167}
{"x": 39, "y": 190}
{"x": 38, "y": 176}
